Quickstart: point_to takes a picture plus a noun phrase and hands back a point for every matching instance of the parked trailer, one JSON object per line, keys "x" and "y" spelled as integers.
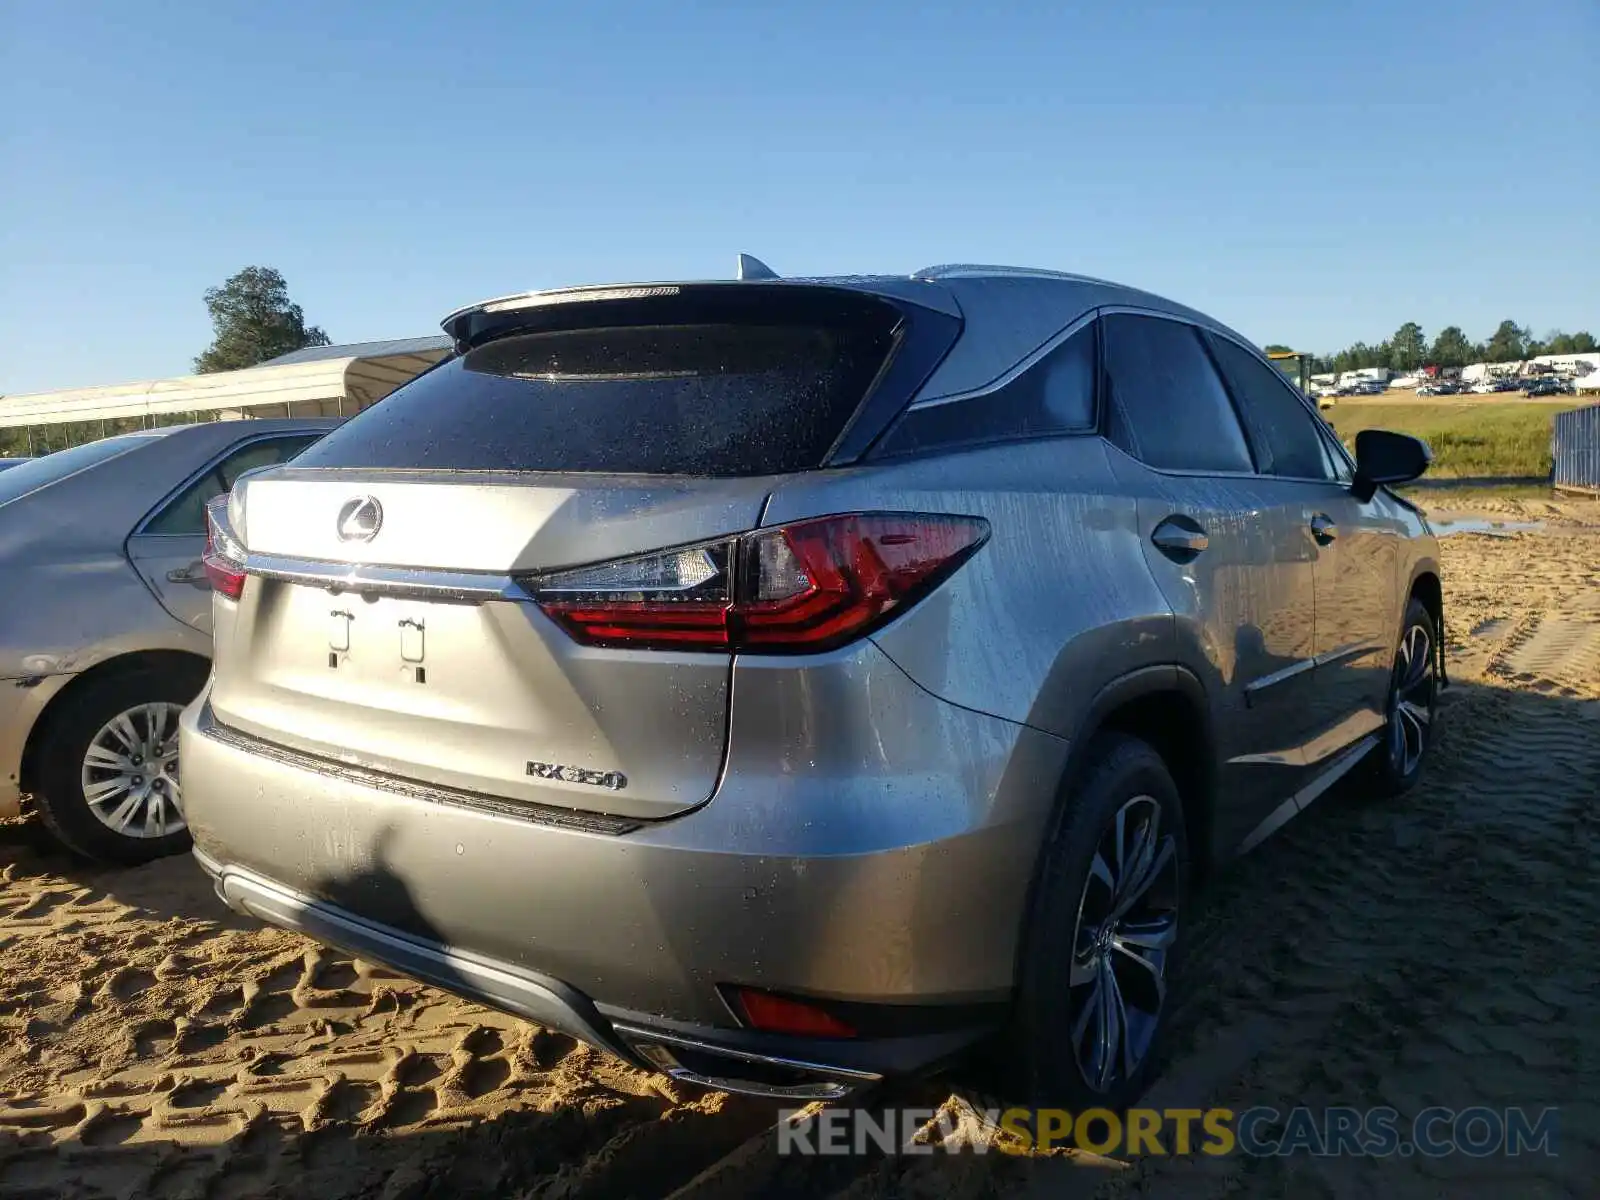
{"x": 1575, "y": 445}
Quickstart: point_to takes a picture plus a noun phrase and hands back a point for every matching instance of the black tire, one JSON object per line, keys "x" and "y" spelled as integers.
{"x": 81, "y": 715}
{"x": 1411, "y": 710}
{"x": 1046, "y": 1064}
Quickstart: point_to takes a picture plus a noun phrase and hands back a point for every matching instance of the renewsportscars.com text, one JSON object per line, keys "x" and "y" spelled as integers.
{"x": 1478, "y": 1132}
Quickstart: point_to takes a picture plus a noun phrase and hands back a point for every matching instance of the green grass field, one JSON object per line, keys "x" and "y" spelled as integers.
{"x": 1508, "y": 439}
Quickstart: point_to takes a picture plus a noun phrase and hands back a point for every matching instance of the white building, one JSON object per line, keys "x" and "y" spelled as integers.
{"x": 1570, "y": 364}
{"x": 319, "y": 381}
{"x": 1482, "y": 372}
{"x": 1576, "y": 366}
{"x": 1366, "y": 375}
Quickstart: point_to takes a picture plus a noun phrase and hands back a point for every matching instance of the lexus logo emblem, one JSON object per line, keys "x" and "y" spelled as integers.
{"x": 360, "y": 519}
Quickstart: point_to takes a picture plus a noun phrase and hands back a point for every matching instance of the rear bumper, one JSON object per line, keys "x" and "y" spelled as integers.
{"x": 728, "y": 1061}
{"x": 887, "y": 869}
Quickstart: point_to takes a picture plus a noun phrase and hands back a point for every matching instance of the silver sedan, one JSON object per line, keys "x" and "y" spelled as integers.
{"x": 105, "y": 624}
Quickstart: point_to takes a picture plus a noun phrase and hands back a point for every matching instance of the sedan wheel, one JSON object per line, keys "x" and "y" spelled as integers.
{"x": 106, "y": 783}
{"x": 130, "y": 772}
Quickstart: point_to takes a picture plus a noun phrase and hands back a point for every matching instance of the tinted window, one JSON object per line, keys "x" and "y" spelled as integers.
{"x": 1339, "y": 466}
{"x": 723, "y": 398}
{"x": 186, "y": 513}
{"x": 1055, "y": 396}
{"x": 1167, "y": 405}
{"x": 1286, "y": 432}
{"x": 19, "y": 481}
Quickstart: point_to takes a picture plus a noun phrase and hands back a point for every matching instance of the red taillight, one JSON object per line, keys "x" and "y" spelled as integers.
{"x": 803, "y": 587}
{"x": 223, "y": 558}
{"x": 780, "y": 1014}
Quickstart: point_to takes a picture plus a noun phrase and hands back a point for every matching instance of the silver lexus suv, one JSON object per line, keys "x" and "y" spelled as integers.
{"x": 787, "y": 684}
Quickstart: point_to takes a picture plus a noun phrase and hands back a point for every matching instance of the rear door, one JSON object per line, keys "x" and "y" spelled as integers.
{"x": 1355, "y": 547}
{"x": 165, "y": 548}
{"x": 1226, "y": 546}
{"x": 385, "y": 622}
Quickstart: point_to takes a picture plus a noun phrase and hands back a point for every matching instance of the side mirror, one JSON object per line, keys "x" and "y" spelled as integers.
{"x": 1383, "y": 457}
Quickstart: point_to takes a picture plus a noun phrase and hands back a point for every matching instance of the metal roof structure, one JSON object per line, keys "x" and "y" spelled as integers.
{"x": 388, "y": 349}
{"x": 320, "y": 381}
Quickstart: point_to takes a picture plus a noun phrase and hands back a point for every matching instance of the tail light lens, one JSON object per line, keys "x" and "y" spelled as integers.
{"x": 798, "y": 588}
{"x": 223, "y": 558}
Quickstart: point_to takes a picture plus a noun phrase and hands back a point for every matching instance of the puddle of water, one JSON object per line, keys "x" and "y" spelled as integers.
{"x": 1483, "y": 525}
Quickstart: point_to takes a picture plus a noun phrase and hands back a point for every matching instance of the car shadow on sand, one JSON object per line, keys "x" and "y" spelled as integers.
{"x": 1435, "y": 949}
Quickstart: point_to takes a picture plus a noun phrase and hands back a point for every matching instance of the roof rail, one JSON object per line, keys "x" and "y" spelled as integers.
{"x": 982, "y": 270}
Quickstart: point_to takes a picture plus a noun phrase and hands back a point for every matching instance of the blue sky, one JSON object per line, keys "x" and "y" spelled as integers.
{"x": 1309, "y": 177}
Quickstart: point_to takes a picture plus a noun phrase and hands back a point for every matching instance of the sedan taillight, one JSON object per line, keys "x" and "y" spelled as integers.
{"x": 223, "y": 558}
{"x": 798, "y": 588}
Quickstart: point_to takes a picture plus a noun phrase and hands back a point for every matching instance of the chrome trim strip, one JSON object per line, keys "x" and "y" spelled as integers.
{"x": 531, "y": 811}
{"x": 1278, "y": 818}
{"x": 1293, "y": 757}
{"x": 843, "y": 1079}
{"x": 1358, "y": 724}
{"x": 1178, "y": 314}
{"x": 1355, "y": 650}
{"x": 1012, "y": 373}
{"x": 381, "y": 580}
{"x": 1302, "y": 800}
{"x": 1256, "y": 686}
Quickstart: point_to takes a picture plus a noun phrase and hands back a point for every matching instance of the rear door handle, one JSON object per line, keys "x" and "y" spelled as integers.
{"x": 1180, "y": 536}
{"x": 194, "y": 573}
{"x": 1323, "y": 529}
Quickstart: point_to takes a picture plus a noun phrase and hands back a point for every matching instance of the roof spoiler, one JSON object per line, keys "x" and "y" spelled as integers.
{"x": 749, "y": 268}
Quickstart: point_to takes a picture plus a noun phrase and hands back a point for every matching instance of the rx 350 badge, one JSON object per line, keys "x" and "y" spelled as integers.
{"x": 613, "y": 780}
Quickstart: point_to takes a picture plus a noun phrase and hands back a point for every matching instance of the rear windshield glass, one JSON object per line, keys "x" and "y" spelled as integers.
{"x": 16, "y": 482}
{"x": 704, "y": 398}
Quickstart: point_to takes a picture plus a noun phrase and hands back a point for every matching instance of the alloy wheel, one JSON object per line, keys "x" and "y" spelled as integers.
{"x": 1127, "y": 925}
{"x": 130, "y": 772}
{"x": 1411, "y": 700}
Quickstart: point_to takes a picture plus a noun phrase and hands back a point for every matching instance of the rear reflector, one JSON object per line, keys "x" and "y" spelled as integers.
{"x": 798, "y": 588}
{"x": 781, "y": 1014}
{"x": 223, "y": 558}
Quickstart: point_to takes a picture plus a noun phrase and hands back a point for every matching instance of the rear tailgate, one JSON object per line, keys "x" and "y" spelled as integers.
{"x": 381, "y": 624}
{"x": 479, "y": 691}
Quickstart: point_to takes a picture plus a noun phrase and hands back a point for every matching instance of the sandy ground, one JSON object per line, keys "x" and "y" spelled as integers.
{"x": 1436, "y": 950}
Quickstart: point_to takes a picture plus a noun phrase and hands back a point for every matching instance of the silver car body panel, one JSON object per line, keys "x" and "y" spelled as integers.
{"x": 75, "y": 597}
